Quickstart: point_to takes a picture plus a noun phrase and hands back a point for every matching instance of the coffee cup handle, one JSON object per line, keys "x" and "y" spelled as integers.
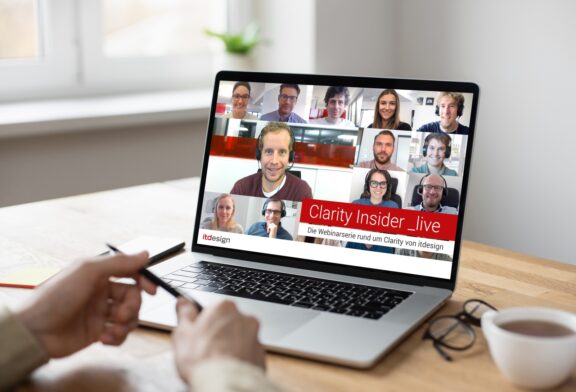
{"x": 488, "y": 316}
{"x": 487, "y": 323}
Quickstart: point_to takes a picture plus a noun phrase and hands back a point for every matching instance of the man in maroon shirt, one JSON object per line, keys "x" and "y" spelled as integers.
{"x": 275, "y": 151}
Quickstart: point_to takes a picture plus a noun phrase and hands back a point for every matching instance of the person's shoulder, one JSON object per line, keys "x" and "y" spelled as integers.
{"x": 370, "y": 126}
{"x": 354, "y": 245}
{"x": 462, "y": 129}
{"x": 419, "y": 169}
{"x": 390, "y": 204}
{"x": 404, "y": 252}
{"x": 347, "y": 123}
{"x": 449, "y": 210}
{"x": 395, "y": 167}
{"x": 283, "y": 234}
{"x": 293, "y": 179}
{"x": 404, "y": 126}
{"x": 294, "y": 117}
{"x": 206, "y": 224}
{"x": 359, "y": 201}
{"x": 253, "y": 228}
{"x": 249, "y": 178}
{"x": 366, "y": 164}
{"x": 430, "y": 127}
{"x": 268, "y": 116}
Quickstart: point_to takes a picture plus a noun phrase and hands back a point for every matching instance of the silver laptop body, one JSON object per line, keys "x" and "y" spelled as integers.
{"x": 338, "y": 338}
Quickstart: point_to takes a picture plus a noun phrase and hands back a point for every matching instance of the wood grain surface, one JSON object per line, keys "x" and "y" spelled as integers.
{"x": 55, "y": 232}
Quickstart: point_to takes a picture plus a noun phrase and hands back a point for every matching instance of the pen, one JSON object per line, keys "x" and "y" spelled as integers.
{"x": 159, "y": 282}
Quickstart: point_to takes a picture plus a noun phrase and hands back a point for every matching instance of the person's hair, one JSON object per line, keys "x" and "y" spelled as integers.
{"x": 215, "y": 225}
{"x": 274, "y": 127}
{"x": 337, "y": 90}
{"x": 457, "y": 97}
{"x": 387, "y": 133}
{"x": 245, "y": 84}
{"x": 394, "y": 121}
{"x": 366, "y": 193}
{"x": 294, "y": 86}
{"x": 446, "y": 140}
{"x": 274, "y": 200}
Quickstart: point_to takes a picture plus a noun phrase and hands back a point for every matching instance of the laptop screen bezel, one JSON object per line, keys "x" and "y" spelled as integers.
{"x": 352, "y": 81}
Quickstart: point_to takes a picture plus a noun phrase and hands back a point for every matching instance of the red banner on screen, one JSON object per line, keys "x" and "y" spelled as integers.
{"x": 380, "y": 219}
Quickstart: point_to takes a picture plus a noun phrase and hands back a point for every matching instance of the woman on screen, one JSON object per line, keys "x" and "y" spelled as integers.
{"x": 377, "y": 192}
{"x": 240, "y": 100}
{"x": 223, "y": 220}
{"x": 387, "y": 112}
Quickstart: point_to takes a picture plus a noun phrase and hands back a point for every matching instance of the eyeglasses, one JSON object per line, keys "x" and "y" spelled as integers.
{"x": 275, "y": 212}
{"x": 374, "y": 184}
{"x": 238, "y": 97}
{"x": 291, "y": 98}
{"x": 429, "y": 187}
{"x": 456, "y": 332}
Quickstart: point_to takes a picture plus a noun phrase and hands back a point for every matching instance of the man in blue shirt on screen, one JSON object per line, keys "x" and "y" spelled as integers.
{"x": 273, "y": 211}
{"x": 286, "y": 101}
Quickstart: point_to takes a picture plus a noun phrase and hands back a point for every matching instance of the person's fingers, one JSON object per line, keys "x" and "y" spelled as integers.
{"x": 117, "y": 291}
{"x": 119, "y": 265}
{"x": 147, "y": 285}
{"x": 225, "y": 307}
{"x": 185, "y": 310}
{"x": 253, "y": 325}
{"x": 260, "y": 355}
{"x": 126, "y": 308}
{"x": 115, "y": 334}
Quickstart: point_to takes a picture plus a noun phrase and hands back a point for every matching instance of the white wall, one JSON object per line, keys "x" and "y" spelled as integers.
{"x": 45, "y": 167}
{"x": 522, "y": 54}
{"x": 288, "y": 28}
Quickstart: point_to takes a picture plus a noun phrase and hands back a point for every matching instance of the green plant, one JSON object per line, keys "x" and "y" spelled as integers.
{"x": 241, "y": 43}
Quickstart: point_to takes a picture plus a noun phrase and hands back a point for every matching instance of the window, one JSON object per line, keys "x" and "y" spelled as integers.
{"x": 51, "y": 48}
{"x": 19, "y": 30}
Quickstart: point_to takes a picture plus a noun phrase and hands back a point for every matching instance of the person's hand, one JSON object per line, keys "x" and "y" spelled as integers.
{"x": 272, "y": 230}
{"x": 220, "y": 331}
{"x": 82, "y": 305}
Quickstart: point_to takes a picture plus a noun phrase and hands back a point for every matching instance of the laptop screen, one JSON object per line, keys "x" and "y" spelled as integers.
{"x": 360, "y": 172}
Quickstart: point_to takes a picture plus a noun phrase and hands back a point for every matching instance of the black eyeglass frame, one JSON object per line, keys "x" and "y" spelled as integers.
{"x": 462, "y": 319}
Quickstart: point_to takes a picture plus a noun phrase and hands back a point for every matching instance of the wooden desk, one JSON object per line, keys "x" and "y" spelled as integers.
{"x": 56, "y": 231}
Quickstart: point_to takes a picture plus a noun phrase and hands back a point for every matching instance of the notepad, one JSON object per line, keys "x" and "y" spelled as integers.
{"x": 28, "y": 276}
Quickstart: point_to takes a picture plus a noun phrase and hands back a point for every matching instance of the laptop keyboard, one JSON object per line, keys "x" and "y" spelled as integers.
{"x": 293, "y": 290}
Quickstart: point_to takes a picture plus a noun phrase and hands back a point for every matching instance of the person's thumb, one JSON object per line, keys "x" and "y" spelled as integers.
{"x": 186, "y": 311}
{"x": 121, "y": 265}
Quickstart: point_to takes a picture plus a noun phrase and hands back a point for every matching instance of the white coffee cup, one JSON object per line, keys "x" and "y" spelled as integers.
{"x": 528, "y": 360}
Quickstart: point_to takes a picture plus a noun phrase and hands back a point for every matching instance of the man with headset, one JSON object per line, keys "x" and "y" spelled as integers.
{"x": 274, "y": 152}
{"x": 273, "y": 211}
{"x": 437, "y": 147}
{"x": 433, "y": 189}
{"x": 450, "y": 107}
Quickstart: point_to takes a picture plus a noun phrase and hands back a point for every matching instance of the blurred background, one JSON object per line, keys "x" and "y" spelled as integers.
{"x": 101, "y": 94}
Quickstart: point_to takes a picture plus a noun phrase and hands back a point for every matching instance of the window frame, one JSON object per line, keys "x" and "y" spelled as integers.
{"x": 71, "y": 62}
{"x": 55, "y": 66}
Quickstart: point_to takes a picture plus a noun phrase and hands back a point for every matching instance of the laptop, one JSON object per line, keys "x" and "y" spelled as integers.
{"x": 329, "y": 207}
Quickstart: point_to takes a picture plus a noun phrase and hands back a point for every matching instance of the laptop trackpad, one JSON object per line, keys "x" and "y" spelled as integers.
{"x": 276, "y": 321}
